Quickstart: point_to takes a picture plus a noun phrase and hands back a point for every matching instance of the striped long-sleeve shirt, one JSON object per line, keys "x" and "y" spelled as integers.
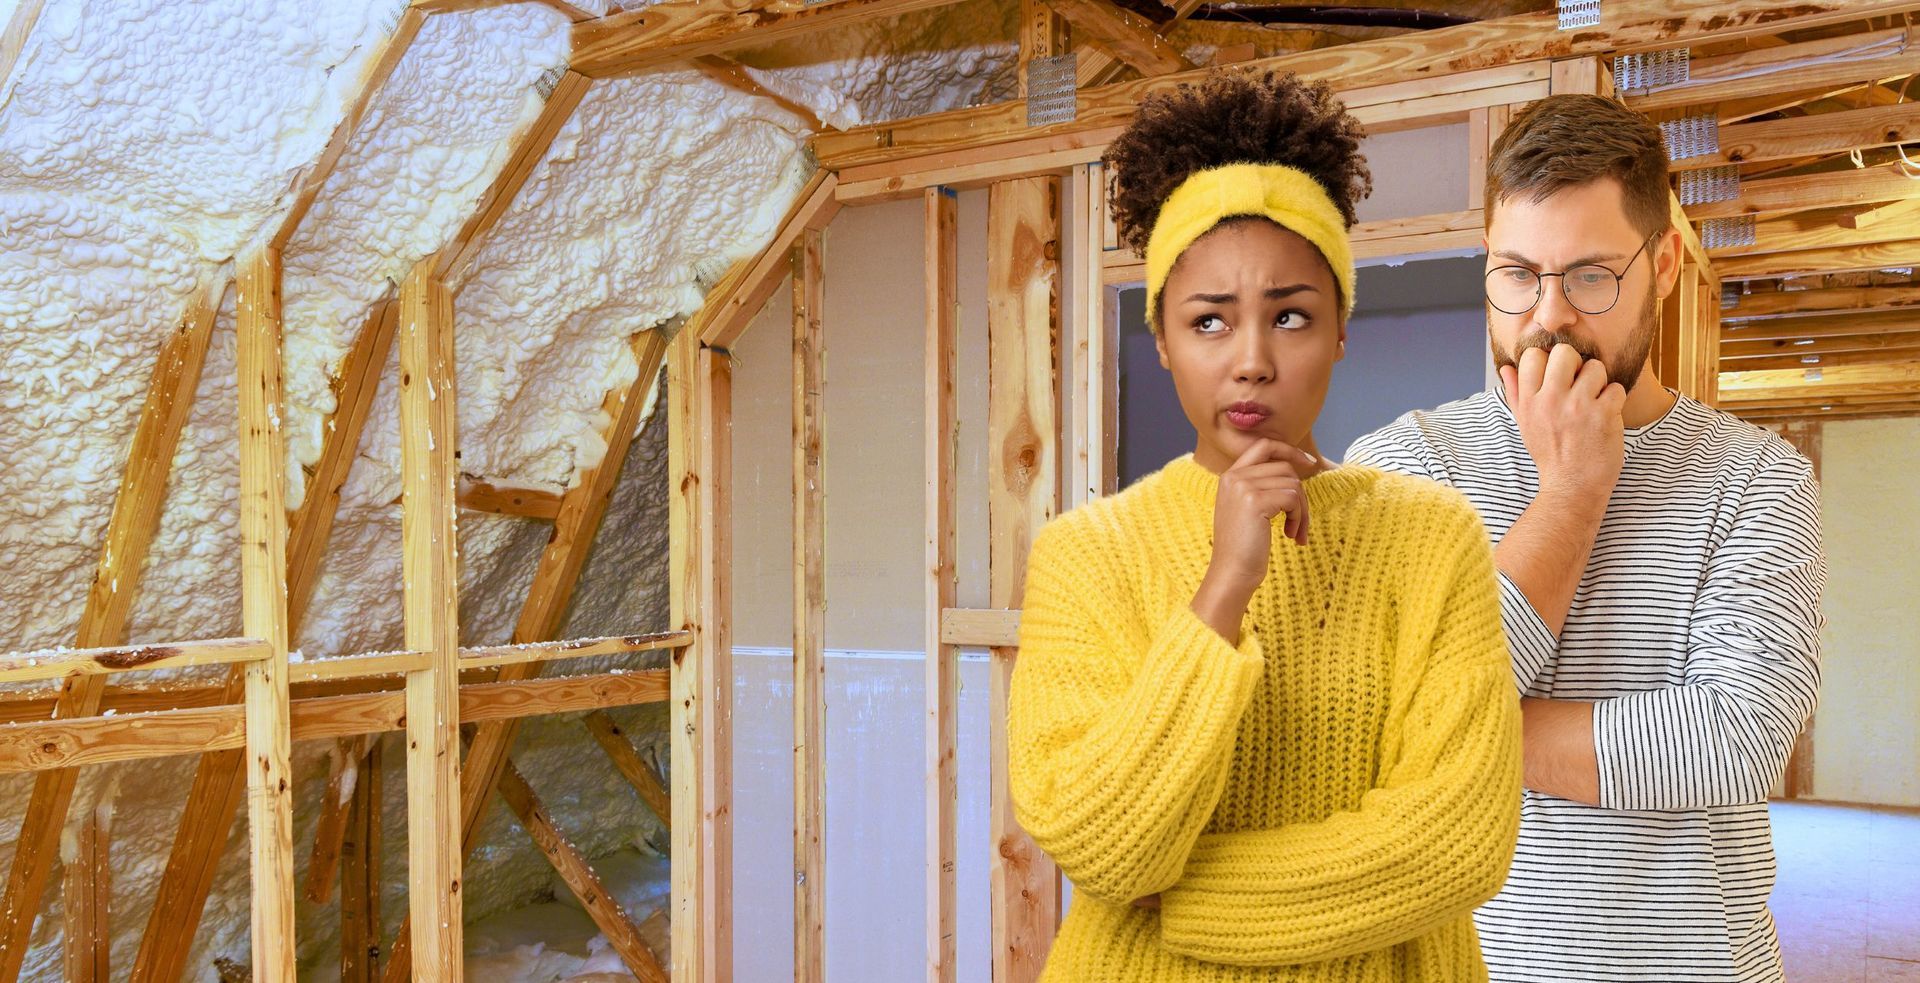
{"x": 1695, "y": 632}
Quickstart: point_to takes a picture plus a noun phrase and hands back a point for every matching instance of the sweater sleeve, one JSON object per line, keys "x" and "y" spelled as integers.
{"x": 1722, "y": 737}
{"x": 1428, "y": 845}
{"x": 1119, "y": 734}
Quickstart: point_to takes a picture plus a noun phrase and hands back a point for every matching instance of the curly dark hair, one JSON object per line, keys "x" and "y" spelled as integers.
{"x": 1229, "y": 118}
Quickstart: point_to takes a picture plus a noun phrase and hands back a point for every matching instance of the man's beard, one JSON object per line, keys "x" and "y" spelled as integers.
{"x": 1624, "y": 370}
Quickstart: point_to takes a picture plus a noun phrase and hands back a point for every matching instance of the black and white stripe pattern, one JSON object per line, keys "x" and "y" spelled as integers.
{"x": 1696, "y": 631}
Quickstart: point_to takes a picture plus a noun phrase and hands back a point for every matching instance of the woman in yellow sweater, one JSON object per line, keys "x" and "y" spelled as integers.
{"x": 1262, "y": 715}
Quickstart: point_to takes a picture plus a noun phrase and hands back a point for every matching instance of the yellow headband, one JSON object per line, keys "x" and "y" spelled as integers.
{"x": 1287, "y": 195}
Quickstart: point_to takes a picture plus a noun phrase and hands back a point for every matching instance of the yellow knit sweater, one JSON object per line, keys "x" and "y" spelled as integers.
{"x": 1327, "y": 801}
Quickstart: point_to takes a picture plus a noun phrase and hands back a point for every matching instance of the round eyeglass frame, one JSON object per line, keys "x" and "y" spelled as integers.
{"x": 1539, "y": 288}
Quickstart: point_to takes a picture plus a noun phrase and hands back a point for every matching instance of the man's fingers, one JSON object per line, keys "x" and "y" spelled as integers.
{"x": 1592, "y": 379}
{"x": 1563, "y": 364}
{"x": 1533, "y": 365}
{"x": 1510, "y": 381}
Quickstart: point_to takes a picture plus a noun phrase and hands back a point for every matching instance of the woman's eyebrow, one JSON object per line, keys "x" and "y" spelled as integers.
{"x": 1271, "y": 293}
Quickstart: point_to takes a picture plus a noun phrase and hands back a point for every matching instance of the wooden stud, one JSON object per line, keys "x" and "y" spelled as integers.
{"x": 651, "y": 37}
{"x": 1023, "y": 315}
{"x": 360, "y": 875}
{"x": 644, "y": 779}
{"x": 809, "y": 613}
{"x": 699, "y": 461}
{"x": 1892, "y": 353}
{"x": 86, "y": 899}
{"x": 429, "y": 438}
{"x": 1122, "y": 34}
{"x": 598, "y": 902}
{"x": 263, "y": 614}
{"x": 1587, "y": 75}
{"x": 1632, "y": 25}
{"x": 942, "y": 293}
{"x": 575, "y": 524}
{"x": 103, "y": 623}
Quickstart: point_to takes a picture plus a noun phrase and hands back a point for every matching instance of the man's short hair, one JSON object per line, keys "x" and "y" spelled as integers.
{"x": 1570, "y": 140}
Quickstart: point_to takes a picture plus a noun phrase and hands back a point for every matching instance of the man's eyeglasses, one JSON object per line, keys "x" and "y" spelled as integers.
{"x": 1590, "y": 287}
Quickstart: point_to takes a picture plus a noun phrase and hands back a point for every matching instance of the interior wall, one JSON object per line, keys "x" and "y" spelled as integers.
{"x": 1867, "y": 728}
{"x": 874, "y": 475}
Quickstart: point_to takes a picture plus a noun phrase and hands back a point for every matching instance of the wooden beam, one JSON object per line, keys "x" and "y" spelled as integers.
{"x": 1096, "y": 67}
{"x": 506, "y": 497}
{"x": 22, "y": 667}
{"x": 941, "y": 208}
{"x": 360, "y": 875}
{"x": 598, "y": 902}
{"x": 1899, "y": 378}
{"x": 679, "y": 30}
{"x": 336, "y": 810}
{"x": 13, "y": 38}
{"x": 86, "y": 898}
{"x": 103, "y": 622}
{"x": 1833, "y": 259}
{"x": 1808, "y": 65}
{"x": 1121, "y": 34}
{"x": 735, "y": 76}
{"x": 1772, "y": 304}
{"x": 809, "y": 551}
{"x": 574, "y": 527}
{"x": 981, "y": 627}
{"x": 429, "y": 436}
{"x": 1752, "y": 348}
{"x": 373, "y": 77}
{"x": 1820, "y": 228}
{"x": 700, "y": 391}
{"x": 1880, "y": 411}
{"x": 1628, "y": 26}
{"x": 644, "y": 779}
{"x": 530, "y": 147}
{"x": 1877, "y": 356}
{"x": 353, "y": 392}
{"x": 1023, "y": 324}
{"x": 736, "y": 300}
{"x": 1812, "y": 135}
{"x": 1853, "y": 186}
{"x": 525, "y": 653}
{"x": 263, "y": 614}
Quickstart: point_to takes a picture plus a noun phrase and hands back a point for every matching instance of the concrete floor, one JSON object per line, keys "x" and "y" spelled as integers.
{"x": 1847, "y": 901}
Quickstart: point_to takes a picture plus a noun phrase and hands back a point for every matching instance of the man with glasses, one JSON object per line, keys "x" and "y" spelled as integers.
{"x": 1660, "y": 572}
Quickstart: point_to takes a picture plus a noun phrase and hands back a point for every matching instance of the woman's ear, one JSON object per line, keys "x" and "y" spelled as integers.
{"x": 1160, "y": 345}
{"x": 1341, "y": 352}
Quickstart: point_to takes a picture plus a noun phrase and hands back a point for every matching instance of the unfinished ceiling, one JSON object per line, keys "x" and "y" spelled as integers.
{"x": 143, "y": 149}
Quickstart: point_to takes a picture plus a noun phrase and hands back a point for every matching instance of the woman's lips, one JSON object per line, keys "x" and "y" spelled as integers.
{"x": 1247, "y": 416}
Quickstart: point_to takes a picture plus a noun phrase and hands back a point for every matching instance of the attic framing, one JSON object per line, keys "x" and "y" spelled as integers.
{"x": 1040, "y": 180}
